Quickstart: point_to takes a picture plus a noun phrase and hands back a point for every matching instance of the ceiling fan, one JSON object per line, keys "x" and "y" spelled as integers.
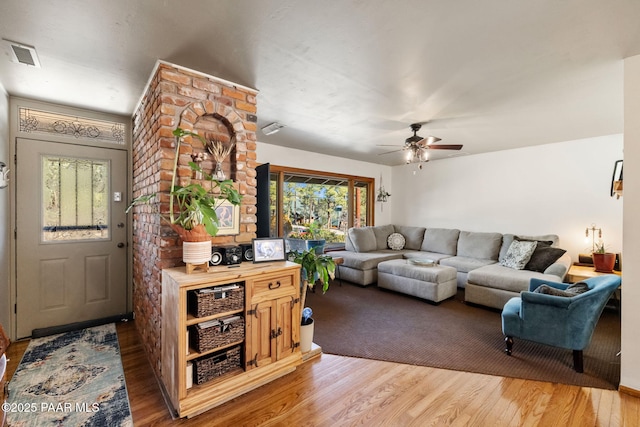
{"x": 417, "y": 146}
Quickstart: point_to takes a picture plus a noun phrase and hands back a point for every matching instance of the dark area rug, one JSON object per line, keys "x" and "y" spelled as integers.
{"x": 374, "y": 323}
{"x": 70, "y": 379}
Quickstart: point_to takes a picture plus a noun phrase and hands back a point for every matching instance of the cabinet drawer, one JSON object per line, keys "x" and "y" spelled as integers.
{"x": 278, "y": 284}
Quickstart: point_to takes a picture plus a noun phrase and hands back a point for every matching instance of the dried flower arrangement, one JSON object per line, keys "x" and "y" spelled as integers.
{"x": 220, "y": 151}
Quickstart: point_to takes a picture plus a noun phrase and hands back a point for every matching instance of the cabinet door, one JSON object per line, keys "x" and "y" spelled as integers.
{"x": 261, "y": 323}
{"x": 273, "y": 331}
{"x": 287, "y": 334}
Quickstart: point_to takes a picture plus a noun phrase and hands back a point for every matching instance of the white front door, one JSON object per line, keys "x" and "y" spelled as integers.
{"x": 71, "y": 234}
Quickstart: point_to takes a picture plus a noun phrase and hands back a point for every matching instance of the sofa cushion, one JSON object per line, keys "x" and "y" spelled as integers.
{"x": 543, "y": 257}
{"x": 519, "y": 254}
{"x": 363, "y": 239}
{"x": 465, "y": 264}
{"x": 366, "y": 260}
{"x": 508, "y": 238}
{"x": 413, "y": 236}
{"x": 382, "y": 233}
{"x": 500, "y": 277}
{"x": 440, "y": 240}
{"x": 434, "y": 256}
{"x": 479, "y": 245}
{"x": 396, "y": 241}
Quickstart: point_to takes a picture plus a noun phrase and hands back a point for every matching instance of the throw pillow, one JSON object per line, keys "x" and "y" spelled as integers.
{"x": 543, "y": 257}
{"x": 571, "y": 291}
{"x": 396, "y": 241}
{"x": 518, "y": 254}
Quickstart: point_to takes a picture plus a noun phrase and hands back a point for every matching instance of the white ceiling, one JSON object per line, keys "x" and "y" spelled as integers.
{"x": 344, "y": 76}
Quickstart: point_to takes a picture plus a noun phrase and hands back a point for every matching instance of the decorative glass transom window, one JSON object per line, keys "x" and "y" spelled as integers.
{"x": 37, "y": 121}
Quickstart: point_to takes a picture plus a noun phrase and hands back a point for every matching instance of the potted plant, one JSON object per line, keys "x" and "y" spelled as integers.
{"x": 303, "y": 240}
{"x": 192, "y": 208}
{"x": 603, "y": 261}
{"x": 315, "y": 268}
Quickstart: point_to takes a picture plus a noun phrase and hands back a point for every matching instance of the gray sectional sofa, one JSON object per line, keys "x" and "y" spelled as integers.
{"x": 476, "y": 257}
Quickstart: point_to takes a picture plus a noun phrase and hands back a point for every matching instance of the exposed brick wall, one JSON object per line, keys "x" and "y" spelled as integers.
{"x": 178, "y": 97}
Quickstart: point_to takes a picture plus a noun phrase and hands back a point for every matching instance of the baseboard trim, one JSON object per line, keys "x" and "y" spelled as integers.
{"x": 52, "y": 330}
{"x": 630, "y": 391}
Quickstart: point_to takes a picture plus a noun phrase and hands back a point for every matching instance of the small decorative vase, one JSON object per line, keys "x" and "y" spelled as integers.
{"x": 196, "y": 252}
{"x": 198, "y": 175}
{"x": 306, "y": 337}
{"x": 219, "y": 173}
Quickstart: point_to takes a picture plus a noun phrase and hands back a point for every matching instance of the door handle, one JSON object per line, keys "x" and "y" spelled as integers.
{"x": 121, "y": 225}
{"x": 121, "y": 245}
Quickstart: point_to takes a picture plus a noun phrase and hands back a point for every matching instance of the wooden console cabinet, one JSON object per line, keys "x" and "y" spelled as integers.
{"x": 271, "y": 344}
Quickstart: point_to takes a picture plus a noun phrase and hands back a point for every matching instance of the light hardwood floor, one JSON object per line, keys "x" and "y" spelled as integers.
{"x": 342, "y": 391}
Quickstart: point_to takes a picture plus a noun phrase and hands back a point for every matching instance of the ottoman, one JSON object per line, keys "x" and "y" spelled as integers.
{"x": 435, "y": 283}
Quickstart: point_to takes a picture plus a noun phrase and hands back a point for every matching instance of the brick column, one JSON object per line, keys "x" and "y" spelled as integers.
{"x": 180, "y": 97}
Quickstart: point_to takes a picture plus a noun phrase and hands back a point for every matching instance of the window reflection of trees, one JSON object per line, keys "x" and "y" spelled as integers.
{"x": 75, "y": 198}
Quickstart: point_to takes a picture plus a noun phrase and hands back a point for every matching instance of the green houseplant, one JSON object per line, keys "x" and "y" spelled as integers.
{"x": 192, "y": 208}
{"x": 315, "y": 268}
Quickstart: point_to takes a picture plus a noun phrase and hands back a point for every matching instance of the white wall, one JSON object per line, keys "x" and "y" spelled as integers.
{"x": 282, "y": 156}
{"x": 557, "y": 188}
{"x": 5, "y": 314}
{"x": 630, "y": 369}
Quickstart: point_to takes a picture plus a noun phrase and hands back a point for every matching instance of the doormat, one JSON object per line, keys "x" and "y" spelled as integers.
{"x": 70, "y": 379}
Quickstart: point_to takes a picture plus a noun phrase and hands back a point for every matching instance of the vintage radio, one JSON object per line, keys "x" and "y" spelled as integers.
{"x": 225, "y": 255}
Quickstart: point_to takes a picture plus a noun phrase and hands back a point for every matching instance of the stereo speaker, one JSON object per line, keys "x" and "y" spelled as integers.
{"x": 247, "y": 251}
{"x": 225, "y": 255}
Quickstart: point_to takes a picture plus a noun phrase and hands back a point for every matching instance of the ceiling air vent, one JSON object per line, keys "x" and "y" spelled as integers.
{"x": 23, "y": 54}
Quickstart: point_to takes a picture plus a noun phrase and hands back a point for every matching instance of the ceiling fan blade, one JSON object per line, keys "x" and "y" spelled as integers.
{"x": 389, "y": 152}
{"x": 444, "y": 147}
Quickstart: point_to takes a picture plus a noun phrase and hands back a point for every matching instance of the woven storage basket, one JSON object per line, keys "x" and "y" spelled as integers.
{"x": 217, "y": 336}
{"x": 210, "y": 367}
{"x": 206, "y": 304}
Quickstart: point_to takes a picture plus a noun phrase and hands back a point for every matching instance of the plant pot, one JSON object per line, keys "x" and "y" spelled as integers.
{"x": 302, "y": 245}
{"x": 306, "y": 337}
{"x": 604, "y": 263}
{"x": 196, "y": 252}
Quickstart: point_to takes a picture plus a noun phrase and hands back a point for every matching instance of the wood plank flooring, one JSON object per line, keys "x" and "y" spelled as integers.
{"x": 342, "y": 391}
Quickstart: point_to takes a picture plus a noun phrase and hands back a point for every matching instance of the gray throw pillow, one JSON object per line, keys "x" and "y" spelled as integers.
{"x": 518, "y": 254}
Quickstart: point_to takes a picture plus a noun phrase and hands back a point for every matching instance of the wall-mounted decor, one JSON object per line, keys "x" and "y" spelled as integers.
{"x": 228, "y": 219}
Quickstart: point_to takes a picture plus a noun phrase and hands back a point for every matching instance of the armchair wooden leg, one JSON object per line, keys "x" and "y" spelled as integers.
{"x": 509, "y": 342}
{"x": 577, "y": 361}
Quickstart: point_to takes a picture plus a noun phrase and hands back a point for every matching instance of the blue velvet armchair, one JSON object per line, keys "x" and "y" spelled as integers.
{"x": 566, "y": 322}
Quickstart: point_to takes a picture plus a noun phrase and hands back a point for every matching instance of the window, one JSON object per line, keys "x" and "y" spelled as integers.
{"x": 329, "y": 203}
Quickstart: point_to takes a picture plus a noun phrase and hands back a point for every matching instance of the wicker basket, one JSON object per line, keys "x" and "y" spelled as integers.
{"x": 205, "y": 303}
{"x": 210, "y": 367}
{"x": 204, "y": 339}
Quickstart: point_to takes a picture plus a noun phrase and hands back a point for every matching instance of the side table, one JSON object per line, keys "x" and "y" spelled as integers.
{"x": 581, "y": 272}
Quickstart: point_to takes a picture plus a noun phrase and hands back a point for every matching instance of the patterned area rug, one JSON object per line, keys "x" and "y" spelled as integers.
{"x": 70, "y": 379}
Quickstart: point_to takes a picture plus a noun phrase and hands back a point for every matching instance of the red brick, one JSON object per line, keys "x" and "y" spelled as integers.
{"x": 245, "y": 106}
